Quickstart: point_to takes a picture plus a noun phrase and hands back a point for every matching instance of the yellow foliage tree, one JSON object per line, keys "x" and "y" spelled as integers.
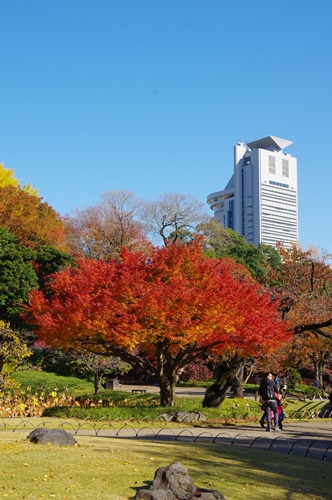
{"x": 13, "y": 350}
{"x": 7, "y": 178}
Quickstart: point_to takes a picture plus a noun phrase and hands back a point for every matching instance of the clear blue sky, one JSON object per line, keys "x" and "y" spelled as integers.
{"x": 150, "y": 96}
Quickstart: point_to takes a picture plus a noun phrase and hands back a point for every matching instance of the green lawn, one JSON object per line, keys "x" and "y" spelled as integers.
{"x": 124, "y": 405}
{"x": 107, "y": 468}
{"x": 112, "y": 468}
{"x": 37, "y": 380}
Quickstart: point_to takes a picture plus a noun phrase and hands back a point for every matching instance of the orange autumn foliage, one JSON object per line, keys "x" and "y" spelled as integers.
{"x": 32, "y": 221}
{"x": 305, "y": 285}
{"x": 174, "y": 299}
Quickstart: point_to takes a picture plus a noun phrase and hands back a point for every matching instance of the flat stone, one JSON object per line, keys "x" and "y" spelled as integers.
{"x": 183, "y": 416}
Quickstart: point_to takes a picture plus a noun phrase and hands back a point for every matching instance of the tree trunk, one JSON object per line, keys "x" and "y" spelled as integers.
{"x": 167, "y": 392}
{"x": 2, "y": 362}
{"x": 167, "y": 379}
{"x": 237, "y": 386}
{"x": 217, "y": 392}
{"x": 319, "y": 366}
{"x": 98, "y": 378}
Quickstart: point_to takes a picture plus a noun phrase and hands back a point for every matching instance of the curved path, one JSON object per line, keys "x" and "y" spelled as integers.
{"x": 311, "y": 439}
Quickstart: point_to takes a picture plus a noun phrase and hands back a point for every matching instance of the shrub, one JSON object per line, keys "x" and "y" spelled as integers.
{"x": 196, "y": 372}
{"x": 293, "y": 378}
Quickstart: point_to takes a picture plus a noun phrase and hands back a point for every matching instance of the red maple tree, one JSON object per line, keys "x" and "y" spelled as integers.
{"x": 163, "y": 310}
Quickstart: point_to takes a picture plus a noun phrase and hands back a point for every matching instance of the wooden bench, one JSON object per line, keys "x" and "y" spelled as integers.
{"x": 134, "y": 391}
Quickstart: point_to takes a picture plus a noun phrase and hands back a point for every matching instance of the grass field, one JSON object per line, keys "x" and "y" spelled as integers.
{"x": 106, "y": 468}
{"x": 37, "y": 380}
{"x": 114, "y": 468}
{"x": 124, "y": 405}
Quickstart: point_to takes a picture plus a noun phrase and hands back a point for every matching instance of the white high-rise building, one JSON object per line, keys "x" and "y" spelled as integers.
{"x": 260, "y": 199}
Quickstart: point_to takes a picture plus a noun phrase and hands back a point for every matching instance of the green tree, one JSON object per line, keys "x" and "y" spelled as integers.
{"x": 21, "y": 270}
{"x": 224, "y": 242}
{"x": 99, "y": 366}
{"x": 49, "y": 260}
{"x": 17, "y": 277}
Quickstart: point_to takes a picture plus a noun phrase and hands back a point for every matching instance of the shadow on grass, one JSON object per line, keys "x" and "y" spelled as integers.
{"x": 242, "y": 474}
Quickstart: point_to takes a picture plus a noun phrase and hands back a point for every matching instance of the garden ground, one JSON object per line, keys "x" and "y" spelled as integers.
{"x": 105, "y": 465}
{"x": 115, "y": 468}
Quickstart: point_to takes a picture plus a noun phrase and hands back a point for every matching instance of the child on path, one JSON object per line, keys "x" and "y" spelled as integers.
{"x": 281, "y": 415}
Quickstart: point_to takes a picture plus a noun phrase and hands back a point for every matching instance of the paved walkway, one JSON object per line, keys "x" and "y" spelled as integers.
{"x": 311, "y": 439}
{"x": 309, "y": 430}
{"x": 153, "y": 389}
{"x": 181, "y": 392}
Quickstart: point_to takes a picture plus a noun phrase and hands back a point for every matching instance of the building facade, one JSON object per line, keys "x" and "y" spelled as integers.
{"x": 260, "y": 201}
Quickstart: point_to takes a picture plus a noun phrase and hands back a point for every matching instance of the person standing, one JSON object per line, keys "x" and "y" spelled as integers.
{"x": 317, "y": 384}
{"x": 267, "y": 391}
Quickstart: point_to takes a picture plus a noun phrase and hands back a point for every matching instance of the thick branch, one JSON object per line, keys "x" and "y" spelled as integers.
{"x": 134, "y": 359}
{"x": 313, "y": 326}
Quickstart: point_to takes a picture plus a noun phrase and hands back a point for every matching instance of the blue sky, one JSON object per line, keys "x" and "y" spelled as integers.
{"x": 150, "y": 96}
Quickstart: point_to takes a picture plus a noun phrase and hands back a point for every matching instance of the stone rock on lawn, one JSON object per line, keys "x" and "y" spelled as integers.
{"x": 183, "y": 416}
{"x": 57, "y": 437}
{"x": 174, "y": 483}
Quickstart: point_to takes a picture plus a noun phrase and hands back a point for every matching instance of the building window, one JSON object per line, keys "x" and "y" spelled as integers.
{"x": 279, "y": 184}
{"x": 272, "y": 164}
{"x": 285, "y": 168}
{"x": 217, "y": 206}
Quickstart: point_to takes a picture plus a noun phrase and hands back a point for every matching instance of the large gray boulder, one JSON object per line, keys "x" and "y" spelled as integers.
{"x": 57, "y": 437}
{"x": 174, "y": 483}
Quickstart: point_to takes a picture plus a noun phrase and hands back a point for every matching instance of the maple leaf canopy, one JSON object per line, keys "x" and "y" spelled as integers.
{"x": 173, "y": 299}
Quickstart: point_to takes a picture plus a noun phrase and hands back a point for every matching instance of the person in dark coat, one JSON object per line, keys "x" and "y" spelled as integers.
{"x": 281, "y": 415}
{"x": 267, "y": 391}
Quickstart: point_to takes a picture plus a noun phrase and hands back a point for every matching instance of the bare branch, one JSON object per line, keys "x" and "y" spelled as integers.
{"x": 171, "y": 214}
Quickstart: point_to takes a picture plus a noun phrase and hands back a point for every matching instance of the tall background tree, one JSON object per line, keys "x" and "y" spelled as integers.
{"x": 28, "y": 229}
{"x": 171, "y": 215}
{"x": 311, "y": 350}
{"x": 101, "y": 231}
{"x": 224, "y": 242}
{"x": 304, "y": 284}
{"x": 32, "y": 221}
{"x": 7, "y": 178}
